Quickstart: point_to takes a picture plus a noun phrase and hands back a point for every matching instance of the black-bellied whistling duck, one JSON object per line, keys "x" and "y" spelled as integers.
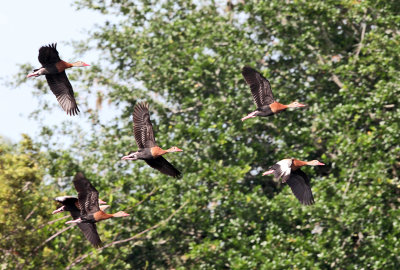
{"x": 70, "y": 203}
{"x": 54, "y": 69}
{"x": 148, "y": 149}
{"x": 88, "y": 198}
{"x": 262, "y": 95}
{"x": 298, "y": 181}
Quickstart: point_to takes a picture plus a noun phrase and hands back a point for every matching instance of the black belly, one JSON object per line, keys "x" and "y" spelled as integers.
{"x": 145, "y": 154}
{"x": 88, "y": 219}
{"x": 264, "y": 111}
{"x": 51, "y": 69}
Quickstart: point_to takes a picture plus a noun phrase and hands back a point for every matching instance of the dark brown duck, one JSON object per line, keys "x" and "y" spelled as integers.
{"x": 148, "y": 149}
{"x": 262, "y": 95}
{"x": 88, "y": 199}
{"x": 290, "y": 172}
{"x": 54, "y": 70}
{"x": 89, "y": 230}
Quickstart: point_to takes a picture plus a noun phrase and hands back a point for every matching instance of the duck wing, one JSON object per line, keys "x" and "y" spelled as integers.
{"x": 259, "y": 86}
{"x": 163, "y": 166}
{"x": 142, "y": 127}
{"x": 90, "y": 232}
{"x": 88, "y": 196}
{"x": 66, "y": 200}
{"x": 48, "y": 54}
{"x": 62, "y": 89}
{"x": 300, "y": 185}
{"x": 282, "y": 169}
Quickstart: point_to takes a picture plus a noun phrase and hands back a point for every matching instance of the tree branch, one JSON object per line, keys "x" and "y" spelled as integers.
{"x": 53, "y": 236}
{"x": 326, "y": 37}
{"x": 364, "y": 26}
{"x": 337, "y": 81}
{"x": 51, "y": 222}
{"x": 82, "y": 257}
{"x": 198, "y": 104}
{"x": 351, "y": 176}
{"x": 145, "y": 198}
{"x": 334, "y": 77}
{"x": 22, "y": 264}
{"x": 30, "y": 214}
{"x": 35, "y": 229}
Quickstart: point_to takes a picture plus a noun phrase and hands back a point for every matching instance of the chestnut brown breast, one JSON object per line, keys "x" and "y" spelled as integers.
{"x": 277, "y": 107}
{"x": 157, "y": 151}
{"x": 100, "y": 215}
{"x": 297, "y": 164}
{"x": 62, "y": 65}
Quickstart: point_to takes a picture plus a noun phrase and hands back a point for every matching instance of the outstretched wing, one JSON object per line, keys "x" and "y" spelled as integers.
{"x": 163, "y": 166}
{"x": 300, "y": 185}
{"x": 75, "y": 212}
{"x": 89, "y": 229}
{"x": 282, "y": 169}
{"x": 259, "y": 86}
{"x": 62, "y": 89}
{"x": 66, "y": 200}
{"x": 90, "y": 232}
{"x": 88, "y": 196}
{"x": 142, "y": 127}
{"x": 48, "y": 54}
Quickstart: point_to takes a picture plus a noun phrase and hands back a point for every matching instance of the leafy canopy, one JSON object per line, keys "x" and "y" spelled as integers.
{"x": 184, "y": 57}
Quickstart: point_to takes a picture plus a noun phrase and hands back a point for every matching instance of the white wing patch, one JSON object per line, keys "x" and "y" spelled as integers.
{"x": 63, "y": 198}
{"x": 284, "y": 169}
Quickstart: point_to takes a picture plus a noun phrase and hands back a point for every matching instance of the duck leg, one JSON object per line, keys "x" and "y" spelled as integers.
{"x": 78, "y": 220}
{"x": 268, "y": 172}
{"x": 61, "y": 209}
{"x": 33, "y": 74}
{"x": 132, "y": 156}
{"x": 250, "y": 115}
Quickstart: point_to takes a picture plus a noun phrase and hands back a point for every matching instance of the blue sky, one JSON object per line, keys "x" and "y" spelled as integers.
{"x": 24, "y": 27}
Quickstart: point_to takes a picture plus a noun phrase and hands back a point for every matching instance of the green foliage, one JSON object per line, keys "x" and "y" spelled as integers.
{"x": 184, "y": 57}
{"x": 23, "y": 205}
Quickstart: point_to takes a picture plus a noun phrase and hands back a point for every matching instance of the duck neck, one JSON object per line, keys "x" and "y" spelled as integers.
{"x": 277, "y": 107}
{"x": 158, "y": 151}
{"x": 100, "y": 215}
{"x": 298, "y": 163}
{"x": 62, "y": 65}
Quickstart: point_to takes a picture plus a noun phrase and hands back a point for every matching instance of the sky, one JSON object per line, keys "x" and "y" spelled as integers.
{"x": 24, "y": 27}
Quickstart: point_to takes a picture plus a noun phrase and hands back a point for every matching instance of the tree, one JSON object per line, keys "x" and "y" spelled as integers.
{"x": 24, "y": 205}
{"x": 184, "y": 57}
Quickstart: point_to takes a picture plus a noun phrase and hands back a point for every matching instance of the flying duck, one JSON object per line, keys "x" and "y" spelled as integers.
{"x": 88, "y": 199}
{"x": 290, "y": 172}
{"x": 148, "y": 149}
{"x": 54, "y": 70}
{"x": 262, "y": 95}
{"x": 70, "y": 203}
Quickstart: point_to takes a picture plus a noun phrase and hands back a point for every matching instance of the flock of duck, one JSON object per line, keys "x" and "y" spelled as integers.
{"x": 87, "y": 208}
